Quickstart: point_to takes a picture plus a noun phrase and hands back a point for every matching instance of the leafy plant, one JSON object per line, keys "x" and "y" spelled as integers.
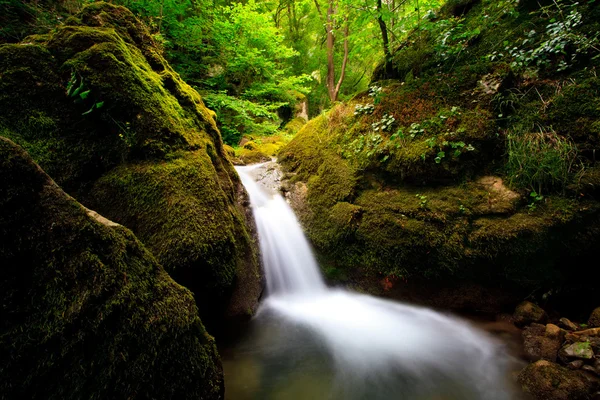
{"x": 384, "y": 124}
{"x": 534, "y": 200}
{"x": 423, "y": 201}
{"x": 363, "y": 109}
{"x": 77, "y": 89}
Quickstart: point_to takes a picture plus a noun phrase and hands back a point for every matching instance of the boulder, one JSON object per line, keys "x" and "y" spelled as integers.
{"x": 594, "y": 320}
{"x": 527, "y": 313}
{"x": 542, "y": 342}
{"x": 545, "y": 380}
{"x": 567, "y": 324}
{"x": 87, "y": 312}
{"x": 96, "y": 104}
{"x": 580, "y": 350}
{"x": 577, "y": 364}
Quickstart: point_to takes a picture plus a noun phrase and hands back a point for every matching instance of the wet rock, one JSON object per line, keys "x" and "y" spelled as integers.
{"x": 527, "y": 313}
{"x": 591, "y": 369}
{"x": 581, "y": 350}
{"x": 567, "y": 324}
{"x": 577, "y": 364}
{"x": 545, "y": 380}
{"x": 542, "y": 342}
{"x": 594, "y": 320}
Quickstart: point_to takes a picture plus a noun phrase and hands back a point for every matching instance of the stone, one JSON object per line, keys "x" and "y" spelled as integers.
{"x": 589, "y": 368}
{"x": 545, "y": 380}
{"x": 581, "y": 336}
{"x": 567, "y": 324}
{"x": 581, "y": 350}
{"x": 527, "y": 313}
{"x": 594, "y": 320}
{"x": 542, "y": 342}
{"x": 577, "y": 364}
{"x": 89, "y": 313}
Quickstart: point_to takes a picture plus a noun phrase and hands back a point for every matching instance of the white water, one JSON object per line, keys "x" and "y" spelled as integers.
{"x": 353, "y": 346}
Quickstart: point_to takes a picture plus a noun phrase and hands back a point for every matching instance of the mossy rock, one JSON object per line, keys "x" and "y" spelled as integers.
{"x": 106, "y": 320}
{"x": 97, "y": 106}
{"x": 181, "y": 211}
{"x": 294, "y": 125}
{"x": 546, "y": 380}
{"x": 427, "y": 193}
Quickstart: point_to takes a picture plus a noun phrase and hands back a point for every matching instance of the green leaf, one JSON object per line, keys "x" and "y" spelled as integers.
{"x": 85, "y": 95}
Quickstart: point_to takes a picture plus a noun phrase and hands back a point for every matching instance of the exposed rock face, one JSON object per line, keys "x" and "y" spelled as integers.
{"x": 99, "y": 108}
{"x": 527, "y": 313}
{"x": 545, "y": 380}
{"x": 87, "y": 312}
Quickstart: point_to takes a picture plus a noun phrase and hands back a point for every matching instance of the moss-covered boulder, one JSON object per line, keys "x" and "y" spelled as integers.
{"x": 546, "y": 380}
{"x": 473, "y": 165}
{"x": 87, "y": 311}
{"x": 97, "y": 106}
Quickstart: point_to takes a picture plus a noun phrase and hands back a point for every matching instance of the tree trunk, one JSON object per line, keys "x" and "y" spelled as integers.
{"x": 385, "y": 41}
{"x": 330, "y": 82}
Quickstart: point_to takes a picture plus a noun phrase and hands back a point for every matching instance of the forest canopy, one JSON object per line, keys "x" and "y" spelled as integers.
{"x": 255, "y": 62}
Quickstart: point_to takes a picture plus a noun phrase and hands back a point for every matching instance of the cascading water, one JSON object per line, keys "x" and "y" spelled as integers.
{"x": 312, "y": 342}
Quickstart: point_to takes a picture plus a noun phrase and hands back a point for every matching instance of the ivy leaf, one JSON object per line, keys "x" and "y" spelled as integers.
{"x": 85, "y": 95}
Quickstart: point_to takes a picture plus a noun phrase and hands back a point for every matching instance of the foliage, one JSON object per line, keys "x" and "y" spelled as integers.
{"x": 559, "y": 46}
{"x": 237, "y": 116}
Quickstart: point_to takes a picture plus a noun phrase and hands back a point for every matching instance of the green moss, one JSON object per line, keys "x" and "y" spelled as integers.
{"x": 575, "y": 112}
{"x": 107, "y": 321}
{"x": 294, "y": 125}
{"x": 179, "y": 209}
{"x": 138, "y": 124}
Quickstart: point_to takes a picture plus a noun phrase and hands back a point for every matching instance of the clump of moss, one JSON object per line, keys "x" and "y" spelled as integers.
{"x": 107, "y": 320}
{"x": 97, "y": 105}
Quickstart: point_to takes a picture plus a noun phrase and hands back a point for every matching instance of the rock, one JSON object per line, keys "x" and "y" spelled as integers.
{"x": 581, "y": 350}
{"x": 567, "y": 324}
{"x": 577, "y": 364}
{"x": 542, "y": 342}
{"x": 141, "y": 149}
{"x": 594, "y": 320}
{"x": 591, "y": 369}
{"x": 544, "y": 380}
{"x": 583, "y": 335}
{"x": 102, "y": 319}
{"x": 527, "y": 313}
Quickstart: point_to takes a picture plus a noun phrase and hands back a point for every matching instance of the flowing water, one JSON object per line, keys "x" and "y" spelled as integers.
{"x": 309, "y": 341}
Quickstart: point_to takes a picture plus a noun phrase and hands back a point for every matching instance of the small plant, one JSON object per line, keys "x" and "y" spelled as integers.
{"x": 363, "y": 109}
{"x": 384, "y": 124}
{"x": 77, "y": 89}
{"x": 535, "y": 199}
{"x": 462, "y": 209}
{"x": 423, "y": 201}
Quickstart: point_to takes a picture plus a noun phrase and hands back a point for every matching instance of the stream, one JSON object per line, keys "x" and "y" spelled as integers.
{"x": 309, "y": 341}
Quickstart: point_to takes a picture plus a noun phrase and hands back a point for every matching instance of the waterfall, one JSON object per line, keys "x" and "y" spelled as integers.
{"x": 345, "y": 345}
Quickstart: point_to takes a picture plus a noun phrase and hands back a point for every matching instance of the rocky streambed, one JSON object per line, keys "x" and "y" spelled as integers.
{"x": 560, "y": 357}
